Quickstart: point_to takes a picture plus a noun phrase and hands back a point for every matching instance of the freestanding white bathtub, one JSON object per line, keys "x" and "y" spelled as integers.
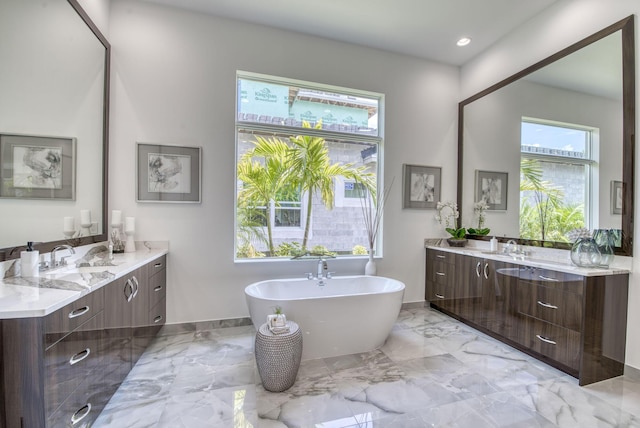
{"x": 349, "y": 314}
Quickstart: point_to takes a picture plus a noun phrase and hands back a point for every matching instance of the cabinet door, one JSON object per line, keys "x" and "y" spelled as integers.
{"x": 118, "y": 313}
{"x": 468, "y": 287}
{"x": 499, "y": 280}
{"x": 141, "y": 321}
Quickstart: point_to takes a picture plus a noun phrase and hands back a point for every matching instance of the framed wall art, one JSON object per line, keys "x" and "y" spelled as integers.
{"x": 37, "y": 167}
{"x": 492, "y": 188}
{"x": 616, "y": 197}
{"x": 420, "y": 186}
{"x": 168, "y": 173}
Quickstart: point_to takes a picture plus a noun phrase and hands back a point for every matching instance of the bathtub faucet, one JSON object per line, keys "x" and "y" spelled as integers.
{"x": 322, "y": 266}
{"x": 322, "y": 272}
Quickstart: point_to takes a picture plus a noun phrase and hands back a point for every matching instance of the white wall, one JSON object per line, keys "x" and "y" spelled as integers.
{"x": 173, "y": 81}
{"x": 98, "y": 11}
{"x": 556, "y": 28}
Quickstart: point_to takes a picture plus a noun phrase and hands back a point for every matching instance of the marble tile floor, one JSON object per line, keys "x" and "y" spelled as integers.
{"x": 432, "y": 372}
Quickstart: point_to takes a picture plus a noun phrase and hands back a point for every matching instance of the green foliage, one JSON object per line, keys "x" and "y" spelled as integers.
{"x": 250, "y": 229}
{"x": 480, "y": 232}
{"x": 262, "y": 172}
{"x": 278, "y": 170}
{"x": 543, "y": 214}
{"x": 457, "y": 233}
{"x": 321, "y": 250}
{"x": 359, "y": 250}
{"x": 289, "y": 249}
{"x": 313, "y": 172}
{"x": 247, "y": 250}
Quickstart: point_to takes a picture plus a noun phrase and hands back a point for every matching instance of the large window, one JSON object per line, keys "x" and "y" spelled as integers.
{"x": 556, "y": 174}
{"x": 306, "y": 155}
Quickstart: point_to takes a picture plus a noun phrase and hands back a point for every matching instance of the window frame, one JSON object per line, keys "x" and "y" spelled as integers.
{"x": 589, "y": 162}
{"x": 284, "y": 130}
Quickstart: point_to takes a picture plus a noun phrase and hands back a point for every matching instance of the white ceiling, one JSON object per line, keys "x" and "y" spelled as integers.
{"x": 423, "y": 28}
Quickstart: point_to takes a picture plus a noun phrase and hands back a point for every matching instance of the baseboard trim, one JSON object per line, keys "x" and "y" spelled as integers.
{"x": 192, "y": 327}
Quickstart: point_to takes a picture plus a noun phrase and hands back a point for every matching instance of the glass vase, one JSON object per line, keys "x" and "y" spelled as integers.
{"x": 585, "y": 253}
{"x": 606, "y": 242}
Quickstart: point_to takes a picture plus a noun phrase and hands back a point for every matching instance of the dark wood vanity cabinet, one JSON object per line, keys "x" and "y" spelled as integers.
{"x": 133, "y": 316}
{"x": 157, "y": 295}
{"x": 60, "y": 370}
{"x": 440, "y": 276}
{"x": 573, "y": 322}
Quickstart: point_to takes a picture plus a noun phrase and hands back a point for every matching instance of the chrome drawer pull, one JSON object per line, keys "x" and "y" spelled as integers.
{"x": 440, "y": 273}
{"x": 157, "y": 319}
{"x": 78, "y": 312}
{"x": 547, "y": 305}
{"x": 130, "y": 296}
{"x": 545, "y": 340}
{"x": 79, "y": 356}
{"x": 158, "y": 288}
{"x": 478, "y": 269}
{"x": 440, "y": 256}
{"x": 485, "y": 271}
{"x": 546, "y": 278}
{"x": 158, "y": 265}
{"x": 81, "y": 413}
{"x": 135, "y": 280}
{"x": 439, "y": 296}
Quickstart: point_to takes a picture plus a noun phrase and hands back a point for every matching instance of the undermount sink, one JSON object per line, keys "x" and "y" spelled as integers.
{"x": 73, "y": 269}
{"x": 526, "y": 258}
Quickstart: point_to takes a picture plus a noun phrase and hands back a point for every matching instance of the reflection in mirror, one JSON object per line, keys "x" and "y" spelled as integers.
{"x": 562, "y": 129}
{"x": 54, "y": 81}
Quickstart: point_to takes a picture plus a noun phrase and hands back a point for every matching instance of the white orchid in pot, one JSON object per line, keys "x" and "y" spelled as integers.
{"x": 448, "y": 213}
{"x": 479, "y": 208}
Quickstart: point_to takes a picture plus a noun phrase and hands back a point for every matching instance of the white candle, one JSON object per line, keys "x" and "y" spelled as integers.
{"x": 69, "y": 225}
{"x": 85, "y": 218}
{"x": 129, "y": 224}
{"x": 116, "y": 217}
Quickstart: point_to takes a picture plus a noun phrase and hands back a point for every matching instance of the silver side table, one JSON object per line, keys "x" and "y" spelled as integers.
{"x": 278, "y": 357}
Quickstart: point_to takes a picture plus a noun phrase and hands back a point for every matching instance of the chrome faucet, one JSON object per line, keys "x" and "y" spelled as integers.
{"x": 63, "y": 260}
{"x": 514, "y": 250}
{"x": 322, "y": 266}
{"x": 507, "y": 247}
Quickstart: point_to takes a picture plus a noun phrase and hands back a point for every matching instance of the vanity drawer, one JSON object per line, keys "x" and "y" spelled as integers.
{"x": 550, "y": 304}
{"x": 157, "y": 266}
{"x": 58, "y": 324}
{"x": 157, "y": 288}
{"x": 158, "y": 314}
{"x": 443, "y": 256}
{"x": 83, "y": 405}
{"x": 441, "y": 292}
{"x": 550, "y": 278}
{"x": 72, "y": 360}
{"x": 442, "y": 273}
{"x": 558, "y": 343}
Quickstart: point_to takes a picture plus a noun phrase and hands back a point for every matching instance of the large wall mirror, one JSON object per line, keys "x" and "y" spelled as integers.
{"x": 551, "y": 148}
{"x": 54, "y": 86}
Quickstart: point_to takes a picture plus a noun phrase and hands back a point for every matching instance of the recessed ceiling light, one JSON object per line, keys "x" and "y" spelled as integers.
{"x": 464, "y": 41}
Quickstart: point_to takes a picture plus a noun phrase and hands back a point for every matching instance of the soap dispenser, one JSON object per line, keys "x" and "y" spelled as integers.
{"x": 494, "y": 244}
{"x": 29, "y": 260}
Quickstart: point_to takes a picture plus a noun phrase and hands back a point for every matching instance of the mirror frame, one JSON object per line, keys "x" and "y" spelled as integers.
{"x": 626, "y": 25}
{"x": 44, "y": 247}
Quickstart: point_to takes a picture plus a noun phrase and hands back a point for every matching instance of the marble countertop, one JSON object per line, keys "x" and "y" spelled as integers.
{"x": 51, "y": 290}
{"x": 557, "y": 260}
